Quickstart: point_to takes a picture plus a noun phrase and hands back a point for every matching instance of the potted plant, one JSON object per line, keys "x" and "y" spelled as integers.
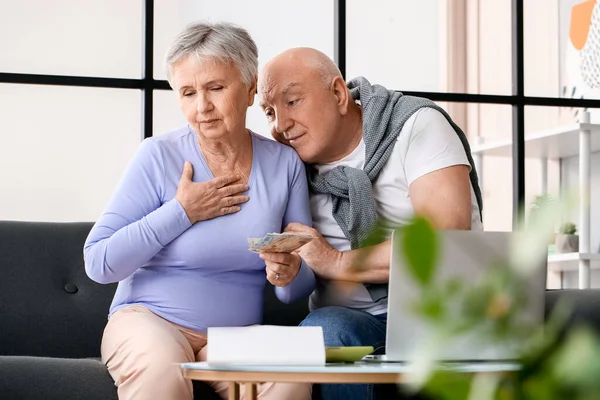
{"x": 566, "y": 239}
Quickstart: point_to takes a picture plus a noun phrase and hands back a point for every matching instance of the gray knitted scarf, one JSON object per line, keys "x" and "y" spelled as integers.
{"x": 384, "y": 114}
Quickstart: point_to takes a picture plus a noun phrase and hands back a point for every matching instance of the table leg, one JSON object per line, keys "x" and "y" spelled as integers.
{"x": 250, "y": 391}
{"x": 234, "y": 391}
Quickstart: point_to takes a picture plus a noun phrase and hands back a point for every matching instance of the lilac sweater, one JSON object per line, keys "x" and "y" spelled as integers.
{"x": 199, "y": 275}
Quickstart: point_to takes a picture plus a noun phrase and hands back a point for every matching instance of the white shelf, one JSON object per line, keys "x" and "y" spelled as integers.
{"x": 581, "y": 140}
{"x": 552, "y": 143}
{"x": 570, "y": 261}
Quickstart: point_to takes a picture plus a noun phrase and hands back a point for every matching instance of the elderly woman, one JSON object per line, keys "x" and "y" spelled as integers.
{"x": 174, "y": 235}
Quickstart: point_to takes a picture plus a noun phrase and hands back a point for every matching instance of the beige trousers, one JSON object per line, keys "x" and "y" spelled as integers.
{"x": 141, "y": 351}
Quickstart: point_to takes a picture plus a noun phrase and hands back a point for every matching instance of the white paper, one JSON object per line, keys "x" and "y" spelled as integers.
{"x": 266, "y": 345}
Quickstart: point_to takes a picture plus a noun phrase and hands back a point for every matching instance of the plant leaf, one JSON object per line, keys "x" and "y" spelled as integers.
{"x": 420, "y": 248}
{"x": 448, "y": 386}
{"x": 577, "y": 363}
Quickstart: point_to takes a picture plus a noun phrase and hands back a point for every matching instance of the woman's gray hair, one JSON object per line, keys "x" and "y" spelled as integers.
{"x": 220, "y": 41}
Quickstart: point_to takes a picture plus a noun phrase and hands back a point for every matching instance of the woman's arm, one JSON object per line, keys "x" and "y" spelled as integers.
{"x": 135, "y": 225}
{"x": 298, "y": 210}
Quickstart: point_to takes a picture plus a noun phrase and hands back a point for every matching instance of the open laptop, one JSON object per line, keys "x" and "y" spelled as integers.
{"x": 462, "y": 254}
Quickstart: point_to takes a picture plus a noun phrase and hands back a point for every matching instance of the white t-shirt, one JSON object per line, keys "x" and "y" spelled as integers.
{"x": 426, "y": 143}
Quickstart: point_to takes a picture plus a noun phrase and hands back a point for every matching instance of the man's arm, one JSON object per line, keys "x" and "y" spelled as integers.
{"x": 437, "y": 170}
{"x": 442, "y": 196}
{"x": 369, "y": 264}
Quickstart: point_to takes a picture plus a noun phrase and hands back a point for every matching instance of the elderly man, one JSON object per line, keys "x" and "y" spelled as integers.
{"x": 374, "y": 156}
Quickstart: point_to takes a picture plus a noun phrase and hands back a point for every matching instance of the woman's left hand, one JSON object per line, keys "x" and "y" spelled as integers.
{"x": 282, "y": 268}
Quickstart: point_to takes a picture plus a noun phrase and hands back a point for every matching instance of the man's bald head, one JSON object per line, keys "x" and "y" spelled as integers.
{"x": 304, "y": 60}
{"x": 306, "y": 101}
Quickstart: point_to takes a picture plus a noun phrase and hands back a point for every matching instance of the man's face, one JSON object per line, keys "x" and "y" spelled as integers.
{"x": 302, "y": 112}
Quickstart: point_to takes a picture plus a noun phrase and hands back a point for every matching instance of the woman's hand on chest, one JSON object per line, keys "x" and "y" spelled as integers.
{"x": 210, "y": 199}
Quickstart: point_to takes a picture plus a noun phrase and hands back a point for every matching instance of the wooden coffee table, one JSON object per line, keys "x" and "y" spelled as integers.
{"x": 250, "y": 376}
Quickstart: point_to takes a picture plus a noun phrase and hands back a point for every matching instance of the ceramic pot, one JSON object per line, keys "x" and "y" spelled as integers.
{"x": 566, "y": 243}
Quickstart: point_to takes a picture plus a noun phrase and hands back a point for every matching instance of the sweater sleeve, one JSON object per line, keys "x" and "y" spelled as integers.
{"x": 136, "y": 224}
{"x": 298, "y": 210}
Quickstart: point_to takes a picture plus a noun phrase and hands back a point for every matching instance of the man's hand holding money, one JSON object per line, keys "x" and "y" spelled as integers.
{"x": 323, "y": 259}
{"x": 282, "y": 268}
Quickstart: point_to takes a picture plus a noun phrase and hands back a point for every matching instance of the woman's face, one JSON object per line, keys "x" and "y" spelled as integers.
{"x": 212, "y": 96}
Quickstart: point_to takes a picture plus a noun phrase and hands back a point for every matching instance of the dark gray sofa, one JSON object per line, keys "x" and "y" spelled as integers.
{"x": 52, "y": 315}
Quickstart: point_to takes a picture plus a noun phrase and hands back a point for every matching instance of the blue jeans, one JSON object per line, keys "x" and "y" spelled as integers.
{"x": 346, "y": 327}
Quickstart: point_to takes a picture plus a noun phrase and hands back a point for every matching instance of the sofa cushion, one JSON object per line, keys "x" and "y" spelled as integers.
{"x": 48, "y": 305}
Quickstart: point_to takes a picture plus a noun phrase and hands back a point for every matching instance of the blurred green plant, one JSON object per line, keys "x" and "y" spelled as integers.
{"x": 538, "y": 204}
{"x": 567, "y": 228}
{"x": 555, "y": 363}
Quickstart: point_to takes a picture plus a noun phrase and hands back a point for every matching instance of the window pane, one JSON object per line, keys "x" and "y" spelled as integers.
{"x": 487, "y": 126}
{"x": 72, "y": 37}
{"x": 62, "y": 150}
{"x": 558, "y": 61}
{"x": 429, "y": 45}
{"x": 306, "y": 23}
{"x": 491, "y": 51}
{"x": 167, "y": 114}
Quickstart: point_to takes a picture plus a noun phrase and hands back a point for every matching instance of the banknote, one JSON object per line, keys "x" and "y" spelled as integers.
{"x": 279, "y": 242}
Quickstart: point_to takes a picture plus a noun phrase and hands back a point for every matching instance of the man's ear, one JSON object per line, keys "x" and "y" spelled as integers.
{"x": 340, "y": 91}
{"x": 252, "y": 92}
